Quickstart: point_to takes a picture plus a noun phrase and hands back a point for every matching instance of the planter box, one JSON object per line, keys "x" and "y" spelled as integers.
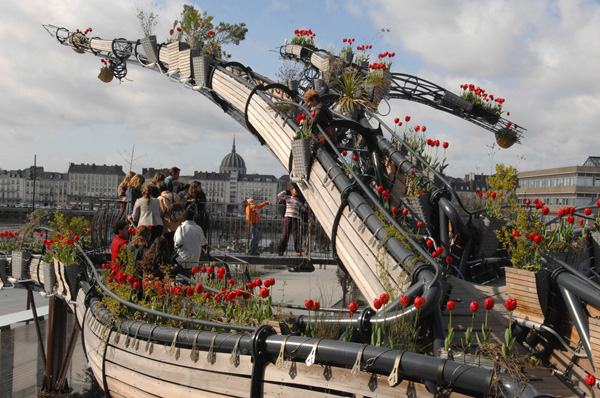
{"x": 201, "y": 65}
{"x": 485, "y": 115}
{"x": 150, "y": 48}
{"x": 20, "y": 264}
{"x": 522, "y": 285}
{"x": 301, "y": 157}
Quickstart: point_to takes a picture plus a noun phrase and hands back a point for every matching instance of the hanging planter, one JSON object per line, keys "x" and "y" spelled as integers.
{"x": 201, "y": 68}
{"x": 150, "y": 48}
{"x": 106, "y": 74}
{"x": 78, "y": 42}
{"x": 301, "y": 157}
{"x": 506, "y": 138}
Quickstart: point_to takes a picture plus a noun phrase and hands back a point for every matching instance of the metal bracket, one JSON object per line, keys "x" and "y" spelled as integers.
{"x": 393, "y": 378}
{"x": 310, "y": 359}
{"x": 356, "y": 367}
{"x": 280, "y": 357}
{"x": 259, "y": 358}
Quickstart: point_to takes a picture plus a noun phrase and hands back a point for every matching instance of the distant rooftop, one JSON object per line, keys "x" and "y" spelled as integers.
{"x": 96, "y": 169}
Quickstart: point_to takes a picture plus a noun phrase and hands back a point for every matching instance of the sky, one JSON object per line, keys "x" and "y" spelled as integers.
{"x": 543, "y": 57}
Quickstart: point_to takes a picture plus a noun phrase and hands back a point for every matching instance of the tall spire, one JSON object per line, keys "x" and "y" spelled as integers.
{"x": 233, "y": 147}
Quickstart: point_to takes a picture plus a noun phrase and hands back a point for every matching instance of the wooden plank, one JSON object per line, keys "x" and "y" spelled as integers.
{"x": 232, "y": 90}
{"x": 285, "y": 391}
{"x": 101, "y": 45}
{"x": 275, "y": 131}
{"x": 173, "y": 372}
{"x": 162, "y": 388}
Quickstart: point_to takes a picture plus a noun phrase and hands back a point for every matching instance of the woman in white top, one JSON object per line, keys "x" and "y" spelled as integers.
{"x": 147, "y": 212}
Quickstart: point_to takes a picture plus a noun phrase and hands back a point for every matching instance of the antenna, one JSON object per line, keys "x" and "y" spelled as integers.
{"x": 130, "y": 159}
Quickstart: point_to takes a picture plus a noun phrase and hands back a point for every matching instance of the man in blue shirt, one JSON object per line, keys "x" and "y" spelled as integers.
{"x": 170, "y": 180}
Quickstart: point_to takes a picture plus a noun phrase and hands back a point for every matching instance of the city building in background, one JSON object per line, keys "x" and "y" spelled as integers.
{"x": 563, "y": 186}
{"x": 89, "y": 183}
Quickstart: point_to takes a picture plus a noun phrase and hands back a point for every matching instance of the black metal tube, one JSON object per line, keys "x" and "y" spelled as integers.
{"x": 589, "y": 293}
{"x": 580, "y": 319}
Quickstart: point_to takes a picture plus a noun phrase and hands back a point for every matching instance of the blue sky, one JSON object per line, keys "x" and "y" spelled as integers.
{"x": 541, "y": 56}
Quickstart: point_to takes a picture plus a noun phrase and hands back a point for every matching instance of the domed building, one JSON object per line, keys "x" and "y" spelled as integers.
{"x": 231, "y": 185}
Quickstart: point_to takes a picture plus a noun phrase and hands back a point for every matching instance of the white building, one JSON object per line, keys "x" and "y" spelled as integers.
{"x": 88, "y": 183}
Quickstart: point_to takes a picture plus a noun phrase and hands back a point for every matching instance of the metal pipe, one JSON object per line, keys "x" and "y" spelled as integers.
{"x": 580, "y": 320}
{"x": 586, "y": 292}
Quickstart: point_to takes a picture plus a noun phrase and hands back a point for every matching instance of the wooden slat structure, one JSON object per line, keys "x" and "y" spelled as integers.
{"x": 522, "y": 286}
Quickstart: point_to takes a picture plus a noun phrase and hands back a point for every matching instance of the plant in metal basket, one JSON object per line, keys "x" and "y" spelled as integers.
{"x": 66, "y": 233}
{"x": 8, "y": 241}
{"x": 352, "y": 94}
{"x": 363, "y": 55}
{"x": 304, "y": 127}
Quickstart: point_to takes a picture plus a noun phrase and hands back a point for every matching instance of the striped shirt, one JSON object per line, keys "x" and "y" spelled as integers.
{"x": 293, "y": 205}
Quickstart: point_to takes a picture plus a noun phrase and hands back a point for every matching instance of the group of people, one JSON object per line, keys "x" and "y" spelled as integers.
{"x": 165, "y": 214}
{"x": 295, "y": 206}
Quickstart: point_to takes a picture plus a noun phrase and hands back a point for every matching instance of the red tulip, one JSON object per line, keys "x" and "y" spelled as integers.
{"x": 451, "y": 305}
{"x": 439, "y": 250}
{"x": 190, "y": 291}
{"x": 355, "y": 157}
{"x": 429, "y": 243}
{"x": 210, "y": 270}
{"x": 510, "y": 304}
{"x": 316, "y": 306}
{"x": 203, "y": 270}
{"x": 488, "y": 304}
{"x": 423, "y": 128}
{"x": 449, "y": 259}
{"x": 515, "y": 234}
{"x": 384, "y": 298}
{"x": 405, "y": 212}
{"x": 199, "y": 288}
{"x": 394, "y": 210}
{"x": 309, "y": 304}
{"x": 417, "y": 128}
{"x": 570, "y": 219}
{"x": 264, "y": 292}
{"x": 41, "y": 233}
{"x": 380, "y": 189}
{"x": 560, "y": 212}
{"x": 493, "y": 194}
{"x": 207, "y": 295}
{"x": 538, "y": 239}
{"x": 527, "y": 202}
{"x": 353, "y": 306}
{"x": 396, "y": 120}
{"x": 590, "y": 380}
{"x": 581, "y": 222}
{"x": 474, "y": 307}
{"x": 587, "y": 212}
{"x": 344, "y": 152}
{"x": 195, "y": 270}
{"x": 420, "y": 224}
{"x": 377, "y": 303}
{"x": 110, "y": 279}
{"x": 404, "y": 301}
{"x": 407, "y": 118}
{"x": 419, "y": 302}
{"x": 545, "y": 211}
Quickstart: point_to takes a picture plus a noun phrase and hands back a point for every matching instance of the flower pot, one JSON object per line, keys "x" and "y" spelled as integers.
{"x": 20, "y": 264}
{"x": 150, "y": 48}
{"x": 418, "y": 209}
{"x": 3, "y": 267}
{"x": 595, "y": 241}
{"x": 481, "y": 113}
{"x": 347, "y": 57}
{"x": 201, "y": 64}
{"x": 47, "y": 271}
{"x": 301, "y": 157}
{"x": 106, "y": 75}
{"x": 318, "y": 84}
{"x": 506, "y": 138}
{"x": 320, "y": 62}
{"x": 294, "y": 49}
{"x": 489, "y": 241}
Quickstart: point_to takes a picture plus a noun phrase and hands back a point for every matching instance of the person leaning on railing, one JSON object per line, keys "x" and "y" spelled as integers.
{"x": 253, "y": 221}
{"x": 189, "y": 241}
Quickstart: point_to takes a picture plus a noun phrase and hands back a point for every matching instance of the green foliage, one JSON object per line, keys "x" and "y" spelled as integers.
{"x": 502, "y": 191}
{"x": 195, "y": 25}
{"x": 352, "y": 94}
{"x": 35, "y": 219}
{"x": 524, "y": 254}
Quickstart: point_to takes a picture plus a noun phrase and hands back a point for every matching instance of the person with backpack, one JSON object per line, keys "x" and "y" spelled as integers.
{"x": 253, "y": 221}
{"x": 147, "y": 212}
{"x": 171, "y": 212}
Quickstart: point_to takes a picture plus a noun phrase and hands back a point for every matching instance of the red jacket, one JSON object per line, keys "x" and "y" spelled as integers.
{"x": 116, "y": 245}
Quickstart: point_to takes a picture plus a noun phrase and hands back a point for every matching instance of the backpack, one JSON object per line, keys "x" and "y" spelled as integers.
{"x": 176, "y": 213}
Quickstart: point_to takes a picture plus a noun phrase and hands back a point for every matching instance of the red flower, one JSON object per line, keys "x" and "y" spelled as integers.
{"x": 171, "y": 32}
{"x": 41, "y": 233}
{"x": 344, "y": 152}
{"x": 199, "y": 288}
{"x": 207, "y": 295}
{"x": 429, "y": 243}
{"x": 407, "y": 118}
{"x": 474, "y": 307}
{"x": 405, "y": 212}
{"x": 439, "y": 250}
{"x": 384, "y": 298}
{"x": 231, "y": 281}
{"x": 404, "y": 301}
{"x": 449, "y": 259}
{"x": 420, "y": 224}
{"x": 570, "y": 219}
{"x": 445, "y": 145}
{"x": 69, "y": 241}
{"x": 587, "y": 212}
{"x": 195, "y": 270}
{"x": 479, "y": 193}
{"x": 377, "y": 304}
{"x": 451, "y": 305}
{"x": 203, "y": 270}
{"x": 110, "y": 279}
{"x": 423, "y": 128}
{"x": 264, "y": 292}
{"x": 590, "y": 380}
{"x": 309, "y": 304}
{"x": 396, "y": 120}
{"x": 137, "y": 286}
{"x": 545, "y": 211}
{"x": 488, "y": 304}
{"x": 76, "y": 238}
{"x": 210, "y": 270}
{"x": 353, "y": 306}
{"x": 394, "y": 210}
{"x": 538, "y": 239}
{"x": 515, "y": 234}
{"x": 510, "y": 304}
{"x": 560, "y": 212}
{"x": 316, "y": 306}
{"x": 419, "y": 302}
{"x": 179, "y": 29}
{"x": 380, "y": 189}
{"x": 417, "y": 128}
{"x": 493, "y": 195}
{"x": 527, "y": 202}
{"x": 190, "y": 291}
{"x": 355, "y": 157}
{"x": 581, "y": 222}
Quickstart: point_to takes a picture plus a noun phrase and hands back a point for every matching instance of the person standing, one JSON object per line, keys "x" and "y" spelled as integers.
{"x": 147, "y": 212}
{"x": 172, "y": 178}
{"x": 253, "y": 221}
{"x": 121, "y": 231}
{"x": 122, "y": 189}
{"x": 171, "y": 212}
{"x": 134, "y": 192}
{"x": 189, "y": 241}
{"x": 291, "y": 222}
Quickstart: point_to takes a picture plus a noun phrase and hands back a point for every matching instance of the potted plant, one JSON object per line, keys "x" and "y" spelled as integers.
{"x": 79, "y": 41}
{"x": 148, "y": 20}
{"x": 485, "y": 106}
{"x": 106, "y": 71}
{"x": 378, "y": 81}
{"x": 346, "y": 53}
{"x": 8, "y": 243}
{"x": 362, "y": 59}
{"x": 301, "y": 146}
{"x": 352, "y": 94}
{"x": 302, "y": 39}
{"x": 21, "y": 255}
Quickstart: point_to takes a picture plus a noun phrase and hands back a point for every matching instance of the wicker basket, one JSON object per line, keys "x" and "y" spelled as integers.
{"x": 106, "y": 74}
{"x": 201, "y": 65}
{"x": 20, "y": 264}
{"x": 150, "y": 48}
